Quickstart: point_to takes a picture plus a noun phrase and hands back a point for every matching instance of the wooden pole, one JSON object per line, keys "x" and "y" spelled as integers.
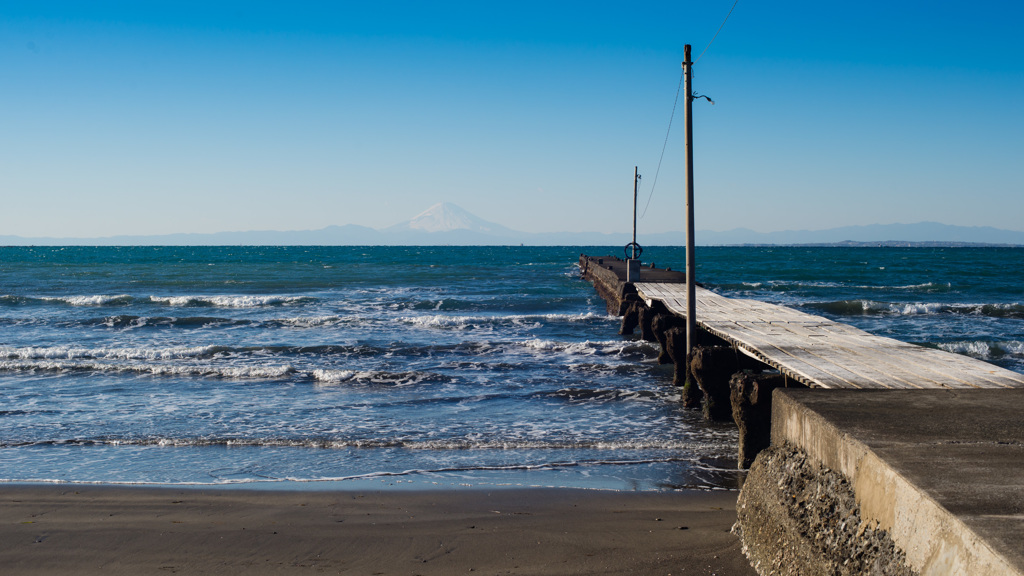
{"x": 635, "y": 173}
{"x": 691, "y": 291}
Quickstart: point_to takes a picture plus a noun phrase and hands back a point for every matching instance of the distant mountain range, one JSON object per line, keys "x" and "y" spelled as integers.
{"x": 928, "y": 233}
{"x": 448, "y": 224}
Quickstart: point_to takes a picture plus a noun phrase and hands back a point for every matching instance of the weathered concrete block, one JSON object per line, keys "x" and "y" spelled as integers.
{"x": 712, "y": 367}
{"x": 797, "y": 517}
{"x": 660, "y": 325}
{"x": 939, "y": 470}
{"x": 675, "y": 343}
{"x": 646, "y": 317}
{"x": 630, "y": 318}
{"x": 751, "y": 399}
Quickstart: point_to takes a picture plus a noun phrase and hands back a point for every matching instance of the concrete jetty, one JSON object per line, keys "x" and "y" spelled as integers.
{"x": 873, "y": 456}
{"x": 608, "y": 275}
{"x": 937, "y": 475}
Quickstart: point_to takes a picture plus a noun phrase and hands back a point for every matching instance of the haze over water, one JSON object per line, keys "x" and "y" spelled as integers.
{"x": 327, "y": 367}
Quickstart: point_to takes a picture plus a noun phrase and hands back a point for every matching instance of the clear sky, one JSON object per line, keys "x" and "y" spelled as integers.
{"x": 159, "y": 117}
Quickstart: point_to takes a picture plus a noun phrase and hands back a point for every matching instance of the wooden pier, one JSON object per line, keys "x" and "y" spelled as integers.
{"x": 745, "y": 349}
{"x": 821, "y": 353}
{"x": 810, "y": 350}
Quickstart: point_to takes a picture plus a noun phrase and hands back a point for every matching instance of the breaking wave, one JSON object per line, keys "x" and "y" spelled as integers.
{"x": 231, "y": 301}
{"x": 325, "y": 377}
{"x": 220, "y": 301}
{"x": 182, "y": 352}
{"x": 94, "y": 300}
{"x": 132, "y": 321}
{"x": 985, "y": 350}
{"x": 638, "y": 349}
{"x": 800, "y": 285}
{"x": 98, "y": 300}
{"x": 111, "y": 361}
{"x": 602, "y": 394}
{"x": 442, "y": 321}
{"x": 876, "y": 308}
{"x": 76, "y": 353}
{"x": 239, "y": 372}
{"x": 376, "y": 443}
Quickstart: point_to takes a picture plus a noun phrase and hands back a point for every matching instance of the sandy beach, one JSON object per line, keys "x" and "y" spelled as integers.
{"x": 65, "y": 529}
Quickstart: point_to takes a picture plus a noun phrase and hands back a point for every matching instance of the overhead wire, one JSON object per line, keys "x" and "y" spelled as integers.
{"x": 719, "y": 30}
{"x": 664, "y": 144}
{"x": 675, "y": 103}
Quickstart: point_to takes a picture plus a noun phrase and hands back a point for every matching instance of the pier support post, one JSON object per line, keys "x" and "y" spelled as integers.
{"x": 751, "y": 398}
{"x": 712, "y": 367}
{"x": 660, "y": 326}
{"x": 630, "y": 318}
{"x": 675, "y": 345}
{"x": 646, "y": 317}
{"x": 675, "y": 341}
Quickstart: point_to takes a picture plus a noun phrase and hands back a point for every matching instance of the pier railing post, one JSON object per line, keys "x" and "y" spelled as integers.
{"x": 691, "y": 297}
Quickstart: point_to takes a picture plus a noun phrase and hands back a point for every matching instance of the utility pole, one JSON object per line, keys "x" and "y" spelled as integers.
{"x": 636, "y": 179}
{"x": 691, "y": 291}
{"x": 633, "y": 250}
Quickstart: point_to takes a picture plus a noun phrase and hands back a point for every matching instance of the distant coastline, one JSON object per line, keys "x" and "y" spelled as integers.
{"x": 112, "y": 242}
{"x": 885, "y": 244}
{"x": 446, "y": 224}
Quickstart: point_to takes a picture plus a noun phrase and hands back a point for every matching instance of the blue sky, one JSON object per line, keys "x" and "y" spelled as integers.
{"x": 160, "y": 117}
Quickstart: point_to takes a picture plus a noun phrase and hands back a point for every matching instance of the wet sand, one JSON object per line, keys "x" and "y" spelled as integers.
{"x": 100, "y": 530}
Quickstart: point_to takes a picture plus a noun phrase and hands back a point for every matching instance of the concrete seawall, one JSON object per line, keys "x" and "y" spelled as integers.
{"x": 939, "y": 474}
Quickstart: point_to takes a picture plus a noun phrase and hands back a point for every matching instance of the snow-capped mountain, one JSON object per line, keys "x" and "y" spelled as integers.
{"x": 448, "y": 217}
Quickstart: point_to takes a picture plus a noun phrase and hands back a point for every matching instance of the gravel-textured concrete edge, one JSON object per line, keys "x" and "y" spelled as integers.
{"x": 797, "y": 517}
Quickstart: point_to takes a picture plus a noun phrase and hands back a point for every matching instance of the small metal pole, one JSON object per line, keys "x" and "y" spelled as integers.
{"x": 691, "y": 291}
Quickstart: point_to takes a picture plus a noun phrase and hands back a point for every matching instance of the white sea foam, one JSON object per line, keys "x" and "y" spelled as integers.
{"x": 442, "y": 321}
{"x": 985, "y": 349}
{"x": 313, "y": 321}
{"x": 241, "y": 372}
{"x": 576, "y": 317}
{"x": 246, "y": 301}
{"x": 588, "y": 348}
{"x": 915, "y": 308}
{"x": 925, "y": 286}
{"x": 464, "y": 322}
{"x": 874, "y": 307}
{"x": 581, "y": 348}
{"x": 510, "y": 444}
{"x": 919, "y": 308}
{"x": 796, "y": 284}
{"x": 460, "y": 444}
{"x": 72, "y": 352}
{"x": 333, "y": 376}
{"x": 94, "y": 300}
{"x": 328, "y": 377}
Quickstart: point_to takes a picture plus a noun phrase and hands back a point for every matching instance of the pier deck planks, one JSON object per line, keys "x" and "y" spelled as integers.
{"x": 825, "y": 354}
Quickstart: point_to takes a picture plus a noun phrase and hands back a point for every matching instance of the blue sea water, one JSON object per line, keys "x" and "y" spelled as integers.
{"x": 335, "y": 367}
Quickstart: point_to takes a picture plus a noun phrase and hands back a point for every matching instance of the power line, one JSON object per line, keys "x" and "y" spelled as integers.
{"x": 663, "y": 145}
{"x": 675, "y": 103}
{"x": 719, "y": 30}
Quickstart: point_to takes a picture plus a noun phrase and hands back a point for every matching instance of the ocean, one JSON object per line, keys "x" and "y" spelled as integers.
{"x": 413, "y": 367}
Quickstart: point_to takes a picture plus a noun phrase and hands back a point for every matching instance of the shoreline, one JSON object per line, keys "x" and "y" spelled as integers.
{"x": 65, "y": 529}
